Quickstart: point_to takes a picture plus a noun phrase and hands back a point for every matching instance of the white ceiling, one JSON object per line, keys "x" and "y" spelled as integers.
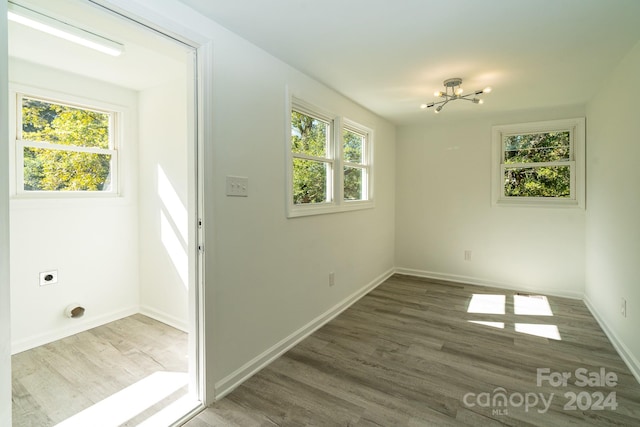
{"x": 391, "y": 55}
{"x": 148, "y": 59}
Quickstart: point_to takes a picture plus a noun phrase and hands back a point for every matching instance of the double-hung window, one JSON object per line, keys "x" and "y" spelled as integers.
{"x": 313, "y": 156}
{"x": 330, "y": 167}
{"x": 539, "y": 164}
{"x": 356, "y": 164}
{"x": 64, "y": 147}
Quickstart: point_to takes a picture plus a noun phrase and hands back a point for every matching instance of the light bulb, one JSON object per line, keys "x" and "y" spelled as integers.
{"x": 438, "y": 93}
{"x": 438, "y": 109}
{"x": 423, "y": 106}
{"x": 459, "y": 91}
{"x": 486, "y": 89}
{"x": 481, "y": 101}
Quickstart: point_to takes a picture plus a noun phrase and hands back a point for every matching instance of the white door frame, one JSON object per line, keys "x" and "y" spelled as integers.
{"x": 200, "y": 105}
{"x": 5, "y": 316}
{"x": 201, "y": 132}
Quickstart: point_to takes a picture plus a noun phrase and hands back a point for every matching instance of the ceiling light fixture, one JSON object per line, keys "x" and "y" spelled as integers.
{"x": 54, "y": 27}
{"x": 452, "y": 91}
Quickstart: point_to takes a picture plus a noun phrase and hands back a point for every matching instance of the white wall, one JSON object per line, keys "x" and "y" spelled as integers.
{"x": 92, "y": 242}
{"x": 163, "y": 191}
{"x": 612, "y": 223}
{"x": 5, "y": 309}
{"x": 270, "y": 273}
{"x": 443, "y": 207}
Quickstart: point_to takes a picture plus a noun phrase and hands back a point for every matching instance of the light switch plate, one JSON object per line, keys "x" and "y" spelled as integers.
{"x": 237, "y": 186}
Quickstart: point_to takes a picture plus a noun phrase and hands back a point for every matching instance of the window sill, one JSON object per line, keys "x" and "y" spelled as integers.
{"x": 295, "y": 211}
{"x": 72, "y": 201}
{"x": 64, "y": 195}
{"x": 529, "y": 202}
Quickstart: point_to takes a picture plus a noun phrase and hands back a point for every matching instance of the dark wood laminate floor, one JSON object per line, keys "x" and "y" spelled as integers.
{"x": 58, "y": 380}
{"x": 410, "y": 354}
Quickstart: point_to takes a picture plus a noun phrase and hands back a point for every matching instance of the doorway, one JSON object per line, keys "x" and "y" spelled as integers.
{"x": 128, "y": 259}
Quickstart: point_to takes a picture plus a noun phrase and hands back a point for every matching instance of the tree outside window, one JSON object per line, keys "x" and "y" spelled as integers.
{"x": 310, "y": 138}
{"x": 65, "y": 148}
{"x": 528, "y": 172}
{"x": 539, "y": 163}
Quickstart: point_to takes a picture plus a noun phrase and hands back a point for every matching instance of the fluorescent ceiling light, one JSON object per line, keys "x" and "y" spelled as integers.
{"x": 52, "y": 26}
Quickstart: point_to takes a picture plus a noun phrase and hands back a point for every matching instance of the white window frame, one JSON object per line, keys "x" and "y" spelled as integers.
{"x": 335, "y": 177}
{"x": 367, "y": 156}
{"x": 18, "y": 191}
{"x": 576, "y": 162}
{"x": 329, "y": 159}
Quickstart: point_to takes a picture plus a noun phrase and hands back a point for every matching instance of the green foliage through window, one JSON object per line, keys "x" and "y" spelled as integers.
{"x": 353, "y": 146}
{"x": 309, "y": 138}
{"x": 353, "y": 183}
{"x": 353, "y": 154}
{"x": 80, "y": 160}
{"x": 309, "y": 181}
{"x": 309, "y": 135}
{"x": 537, "y": 147}
{"x": 329, "y": 160}
{"x": 548, "y": 181}
{"x": 538, "y": 178}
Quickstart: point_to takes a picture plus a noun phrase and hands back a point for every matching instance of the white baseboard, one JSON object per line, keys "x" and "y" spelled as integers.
{"x": 483, "y": 282}
{"x": 165, "y": 318}
{"x": 627, "y": 356}
{"x": 79, "y": 325}
{"x": 233, "y": 380}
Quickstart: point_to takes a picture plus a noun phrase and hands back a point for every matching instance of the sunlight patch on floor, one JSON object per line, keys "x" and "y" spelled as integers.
{"x": 544, "y": 331}
{"x": 171, "y": 413}
{"x": 486, "y": 304}
{"x": 129, "y": 402}
{"x": 523, "y": 305}
{"x": 499, "y": 325}
{"x": 531, "y": 305}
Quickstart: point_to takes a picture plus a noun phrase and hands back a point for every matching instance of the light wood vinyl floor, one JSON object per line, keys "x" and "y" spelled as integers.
{"x": 408, "y": 353}
{"x": 57, "y": 380}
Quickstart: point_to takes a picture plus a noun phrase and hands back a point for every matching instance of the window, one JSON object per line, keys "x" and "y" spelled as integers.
{"x": 311, "y": 136}
{"x": 330, "y": 162}
{"x": 62, "y": 147}
{"x": 355, "y": 143}
{"x": 539, "y": 164}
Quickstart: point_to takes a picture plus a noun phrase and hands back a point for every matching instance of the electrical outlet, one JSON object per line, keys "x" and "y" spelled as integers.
{"x": 48, "y": 277}
{"x": 623, "y": 307}
{"x": 467, "y": 255}
{"x": 332, "y": 279}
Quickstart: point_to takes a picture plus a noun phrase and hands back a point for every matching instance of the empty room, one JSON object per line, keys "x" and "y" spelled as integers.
{"x": 404, "y": 213}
